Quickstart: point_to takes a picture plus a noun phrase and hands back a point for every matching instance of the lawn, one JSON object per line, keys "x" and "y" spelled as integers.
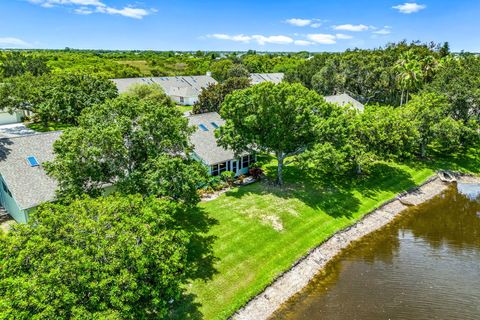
{"x": 184, "y": 108}
{"x": 51, "y": 126}
{"x": 260, "y": 230}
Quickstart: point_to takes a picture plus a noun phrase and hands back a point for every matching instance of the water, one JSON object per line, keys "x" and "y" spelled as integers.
{"x": 425, "y": 265}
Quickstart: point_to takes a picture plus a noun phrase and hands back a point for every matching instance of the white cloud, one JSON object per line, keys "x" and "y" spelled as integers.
{"x": 95, "y": 6}
{"x": 351, "y": 27}
{"x": 260, "y": 39}
{"x": 322, "y": 38}
{"x": 11, "y": 42}
{"x": 303, "y": 42}
{"x": 384, "y": 31}
{"x": 272, "y": 39}
{"x": 299, "y": 22}
{"x": 316, "y": 25}
{"x": 343, "y": 36}
{"x": 409, "y": 7}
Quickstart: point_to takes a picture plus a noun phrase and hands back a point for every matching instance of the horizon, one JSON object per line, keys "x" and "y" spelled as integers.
{"x": 266, "y": 26}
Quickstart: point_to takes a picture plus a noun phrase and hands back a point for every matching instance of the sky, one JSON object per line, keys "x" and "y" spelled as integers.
{"x": 234, "y": 25}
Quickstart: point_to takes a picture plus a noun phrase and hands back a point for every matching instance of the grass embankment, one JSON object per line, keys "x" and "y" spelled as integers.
{"x": 184, "y": 108}
{"x": 261, "y": 230}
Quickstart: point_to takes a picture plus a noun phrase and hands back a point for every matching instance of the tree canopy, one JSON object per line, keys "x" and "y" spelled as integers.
{"x": 271, "y": 118}
{"x": 116, "y": 142}
{"x": 115, "y": 257}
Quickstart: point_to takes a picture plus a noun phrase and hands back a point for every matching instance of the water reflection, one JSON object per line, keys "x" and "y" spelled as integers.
{"x": 426, "y": 265}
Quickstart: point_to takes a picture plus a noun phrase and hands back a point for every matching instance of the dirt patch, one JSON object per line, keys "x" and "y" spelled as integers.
{"x": 273, "y": 221}
{"x": 304, "y": 270}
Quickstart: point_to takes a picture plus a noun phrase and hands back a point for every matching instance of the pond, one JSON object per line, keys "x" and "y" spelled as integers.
{"x": 424, "y": 265}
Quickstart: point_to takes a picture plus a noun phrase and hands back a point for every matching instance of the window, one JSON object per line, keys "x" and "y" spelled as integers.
{"x": 246, "y": 161}
{"x": 214, "y": 170}
{"x": 234, "y": 166}
{"x": 222, "y": 167}
{"x": 214, "y": 125}
{"x": 182, "y": 100}
{"x": 32, "y": 161}
{"x": 203, "y": 127}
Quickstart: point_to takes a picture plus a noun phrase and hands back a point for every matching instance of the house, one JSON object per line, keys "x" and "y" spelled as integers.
{"x": 256, "y": 78}
{"x": 183, "y": 90}
{"x": 24, "y": 182}
{"x": 207, "y": 151}
{"x": 9, "y": 118}
{"x": 343, "y": 100}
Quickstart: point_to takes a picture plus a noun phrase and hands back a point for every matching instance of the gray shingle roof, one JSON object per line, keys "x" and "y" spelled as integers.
{"x": 256, "y": 78}
{"x": 182, "y": 86}
{"x": 343, "y": 100}
{"x": 205, "y": 144}
{"x": 29, "y": 186}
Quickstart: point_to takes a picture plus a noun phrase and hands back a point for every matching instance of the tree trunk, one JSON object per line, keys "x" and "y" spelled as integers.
{"x": 280, "y": 158}
{"x": 401, "y": 99}
{"x": 406, "y": 97}
{"x": 423, "y": 150}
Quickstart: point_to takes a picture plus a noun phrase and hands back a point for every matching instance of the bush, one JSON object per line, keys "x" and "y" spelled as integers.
{"x": 228, "y": 176}
{"x": 255, "y": 171}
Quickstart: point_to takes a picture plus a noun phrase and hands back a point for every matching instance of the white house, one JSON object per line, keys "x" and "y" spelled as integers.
{"x": 207, "y": 151}
{"x": 256, "y": 78}
{"x": 9, "y": 118}
{"x": 344, "y": 100}
{"x": 183, "y": 90}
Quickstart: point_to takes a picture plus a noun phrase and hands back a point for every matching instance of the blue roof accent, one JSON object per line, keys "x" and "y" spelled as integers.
{"x": 214, "y": 125}
{"x": 203, "y": 127}
{"x": 32, "y": 161}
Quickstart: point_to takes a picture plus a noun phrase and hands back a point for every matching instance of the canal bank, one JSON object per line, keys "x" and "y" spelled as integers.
{"x": 295, "y": 279}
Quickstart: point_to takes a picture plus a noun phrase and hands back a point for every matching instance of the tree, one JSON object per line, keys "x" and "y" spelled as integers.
{"x": 118, "y": 143}
{"x": 115, "y": 257}
{"x": 237, "y": 71}
{"x": 220, "y": 69}
{"x": 409, "y": 74}
{"x": 64, "y": 96}
{"x": 427, "y": 111}
{"x": 271, "y": 118}
{"x": 213, "y": 95}
{"x": 152, "y": 92}
{"x": 59, "y": 98}
{"x": 15, "y": 63}
{"x": 326, "y": 81}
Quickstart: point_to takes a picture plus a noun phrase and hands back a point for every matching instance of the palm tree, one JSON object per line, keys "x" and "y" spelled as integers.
{"x": 409, "y": 74}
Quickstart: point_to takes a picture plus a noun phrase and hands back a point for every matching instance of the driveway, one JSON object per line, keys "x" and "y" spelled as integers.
{"x": 14, "y": 130}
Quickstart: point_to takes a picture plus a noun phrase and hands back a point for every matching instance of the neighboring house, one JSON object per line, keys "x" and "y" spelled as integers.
{"x": 183, "y": 90}
{"x": 256, "y": 78}
{"x": 9, "y": 118}
{"x": 24, "y": 182}
{"x": 207, "y": 151}
{"x": 343, "y": 100}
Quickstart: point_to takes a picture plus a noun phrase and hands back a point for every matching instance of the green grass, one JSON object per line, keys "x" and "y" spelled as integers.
{"x": 184, "y": 108}
{"x": 259, "y": 231}
{"x": 52, "y": 126}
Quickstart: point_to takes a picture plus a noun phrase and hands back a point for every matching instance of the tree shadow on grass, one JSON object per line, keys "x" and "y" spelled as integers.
{"x": 200, "y": 258}
{"x": 333, "y": 195}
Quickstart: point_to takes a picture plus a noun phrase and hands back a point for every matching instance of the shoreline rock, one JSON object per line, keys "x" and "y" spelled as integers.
{"x": 304, "y": 270}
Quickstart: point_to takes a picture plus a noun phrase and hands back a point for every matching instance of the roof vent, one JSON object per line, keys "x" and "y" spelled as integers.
{"x": 203, "y": 127}
{"x": 32, "y": 161}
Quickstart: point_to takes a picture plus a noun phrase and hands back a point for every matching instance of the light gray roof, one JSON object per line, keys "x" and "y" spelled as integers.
{"x": 181, "y": 86}
{"x": 256, "y": 78}
{"x": 29, "y": 186}
{"x": 205, "y": 144}
{"x": 343, "y": 100}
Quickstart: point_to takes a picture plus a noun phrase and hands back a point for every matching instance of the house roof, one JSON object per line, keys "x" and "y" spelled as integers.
{"x": 256, "y": 78}
{"x": 182, "y": 86}
{"x": 343, "y": 100}
{"x": 29, "y": 185}
{"x": 205, "y": 143}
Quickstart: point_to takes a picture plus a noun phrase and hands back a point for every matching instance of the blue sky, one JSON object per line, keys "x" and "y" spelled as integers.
{"x": 281, "y": 25}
